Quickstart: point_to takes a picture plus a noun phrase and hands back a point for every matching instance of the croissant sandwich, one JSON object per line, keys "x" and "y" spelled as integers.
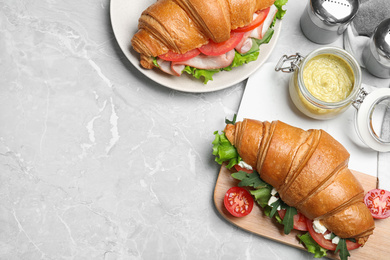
{"x": 203, "y": 37}
{"x": 309, "y": 171}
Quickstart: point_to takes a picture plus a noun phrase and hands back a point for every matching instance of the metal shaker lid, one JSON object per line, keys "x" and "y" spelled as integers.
{"x": 335, "y": 12}
{"x": 381, "y": 38}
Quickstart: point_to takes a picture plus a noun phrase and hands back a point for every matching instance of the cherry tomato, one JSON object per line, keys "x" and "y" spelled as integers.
{"x": 239, "y": 168}
{"x": 261, "y": 15}
{"x": 173, "y": 56}
{"x": 299, "y": 220}
{"x": 378, "y": 202}
{"x": 325, "y": 243}
{"x": 216, "y": 49}
{"x": 238, "y": 201}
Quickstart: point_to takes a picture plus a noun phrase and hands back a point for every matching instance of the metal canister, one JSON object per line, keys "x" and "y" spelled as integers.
{"x": 323, "y": 21}
{"x": 376, "y": 54}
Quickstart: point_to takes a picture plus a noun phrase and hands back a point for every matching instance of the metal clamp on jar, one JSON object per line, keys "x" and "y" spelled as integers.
{"x": 323, "y": 21}
{"x": 324, "y": 83}
{"x": 326, "y": 66}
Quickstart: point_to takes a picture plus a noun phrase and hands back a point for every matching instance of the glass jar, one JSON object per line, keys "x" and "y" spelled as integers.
{"x": 303, "y": 99}
{"x": 372, "y": 120}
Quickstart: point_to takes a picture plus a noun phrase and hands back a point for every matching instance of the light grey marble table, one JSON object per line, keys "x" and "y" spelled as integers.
{"x": 99, "y": 162}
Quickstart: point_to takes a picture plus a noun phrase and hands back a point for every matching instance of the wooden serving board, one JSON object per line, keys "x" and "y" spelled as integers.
{"x": 377, "y": 246}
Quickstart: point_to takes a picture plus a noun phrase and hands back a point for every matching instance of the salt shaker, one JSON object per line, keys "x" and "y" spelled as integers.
{"x": 376, "y": 54}
{"x": 323, "y": 21}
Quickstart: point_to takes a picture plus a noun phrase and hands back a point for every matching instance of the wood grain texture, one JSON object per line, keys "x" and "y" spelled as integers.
{"x": 377, "y": 246}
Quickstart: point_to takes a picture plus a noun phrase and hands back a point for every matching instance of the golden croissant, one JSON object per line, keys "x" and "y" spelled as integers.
{"x": 184, "y": 25}
{"x": 309, "y": 169}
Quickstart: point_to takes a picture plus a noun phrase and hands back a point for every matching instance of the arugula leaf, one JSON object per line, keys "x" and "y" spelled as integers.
{"x": 275, "y": 206}
{"x": 312, "y": 246}
{"x": 279, "y": 4}
{"x": 231, "y": 122}
{"x": 262, "y": 191}
{"x": 224, "y": 150}
{"x": 250, "y": 180}
{"x": 288, "y": 220}
{"x": 342, "y": 248}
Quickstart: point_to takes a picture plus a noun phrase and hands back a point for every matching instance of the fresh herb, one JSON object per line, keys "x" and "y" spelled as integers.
{"x": 342, "y": 249}
{"x": 288, "y": 220}
{"x": 275, "y": 206}
{"x": 224, "y": 150}
{"x": 312, "y": 246}
{"x": 262, "y": 190}
{"x": 231, "y": 122}
{"x": 250, "y": 180}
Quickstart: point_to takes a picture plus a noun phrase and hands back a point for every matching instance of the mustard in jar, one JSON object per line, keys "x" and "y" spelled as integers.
{"x": 325, "y": 82}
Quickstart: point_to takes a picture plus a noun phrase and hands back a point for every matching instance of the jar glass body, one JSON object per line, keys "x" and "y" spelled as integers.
{"x": 312, "y": 106}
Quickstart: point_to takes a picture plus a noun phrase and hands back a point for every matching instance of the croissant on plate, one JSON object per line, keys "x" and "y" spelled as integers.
{"x": 183, "y": 25}
{"x": 309, "y": 169}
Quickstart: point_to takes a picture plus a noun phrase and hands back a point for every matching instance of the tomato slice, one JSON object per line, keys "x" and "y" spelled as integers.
{"x": 260, "y": 18}
{"x": 173, "y": 56}
{"x": 378, "y": 202}
{"x": 325, "y": 243}
{"x": 238, "y": 201}
{"x": 239, "y": 168}
{"x": 216, "y": 49}
{"x": 299, "y": 220}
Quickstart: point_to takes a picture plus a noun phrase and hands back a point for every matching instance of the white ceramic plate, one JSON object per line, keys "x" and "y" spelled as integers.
{"x": 124, "y": 20}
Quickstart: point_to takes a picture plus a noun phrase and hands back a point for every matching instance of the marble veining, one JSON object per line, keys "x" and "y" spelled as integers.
{"x": 99, "y": 162}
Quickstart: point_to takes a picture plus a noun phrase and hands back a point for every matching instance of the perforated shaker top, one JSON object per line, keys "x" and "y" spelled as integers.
{"x": 334, "y": 12}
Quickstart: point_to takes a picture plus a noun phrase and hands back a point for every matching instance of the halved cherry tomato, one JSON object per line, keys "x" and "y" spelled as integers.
{"x": 239, "y": 168}
{"x": 173, "y": 56}
{"x": 378, "y": 202}
{"x": 325, "y": 243}
{"x": 260, "y": 18}
{"x": 238, "y": 201}
{"x": 299, "y": 220}
{"x": 216, "y": 49}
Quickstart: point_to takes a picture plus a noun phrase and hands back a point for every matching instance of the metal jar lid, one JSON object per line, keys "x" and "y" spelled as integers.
{"x": 376, "y": 55}
{"x": 373, "y": 119}
{"x": 325, "y": 20}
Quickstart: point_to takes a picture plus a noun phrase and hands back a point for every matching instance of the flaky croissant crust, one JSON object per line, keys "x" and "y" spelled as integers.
{"x": 309, "y": 169}
{"x": 183, "y": 25}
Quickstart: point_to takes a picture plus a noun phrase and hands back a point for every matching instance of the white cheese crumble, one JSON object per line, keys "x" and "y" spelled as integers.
{"x": 273, "y": 192}
{"x": 244, "y": 165}
{"x": 328, "y": 236}
{"x": 335, "y": 240}
{"x": 272, "y": 200}
{"x": 318, "y": 227}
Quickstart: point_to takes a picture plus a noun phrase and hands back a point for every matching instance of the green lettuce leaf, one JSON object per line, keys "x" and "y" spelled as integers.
{"x": 224, "y": 150}
{"x": 201, "y": 73}
{"x": 267, "y": 37}
{"x": 262, "y": 197}
{"x": 312, "y": 246}
{"x": 279, "y": 4}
